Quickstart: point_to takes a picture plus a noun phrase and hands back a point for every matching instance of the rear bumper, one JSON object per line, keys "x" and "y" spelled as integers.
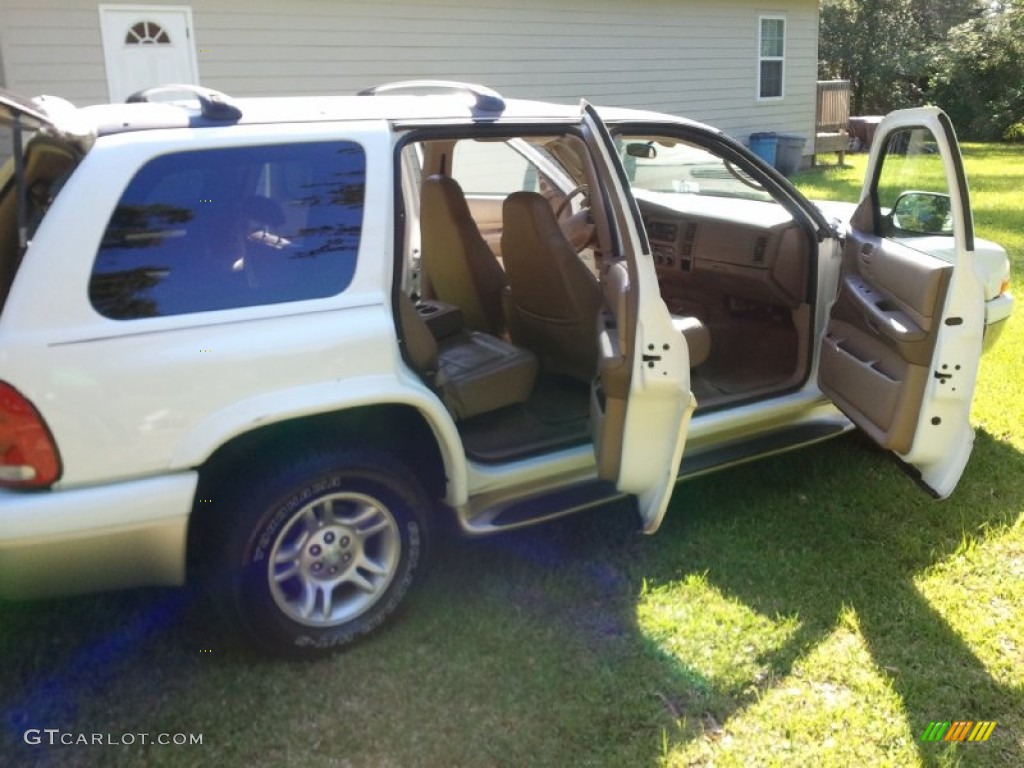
{"x": 90, "y": 539}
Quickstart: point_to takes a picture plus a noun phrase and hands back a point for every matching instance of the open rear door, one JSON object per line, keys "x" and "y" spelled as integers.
{"x": 640, "y": 400}
{"x": 35, "y": 152}
{"x": 900, "y": 355}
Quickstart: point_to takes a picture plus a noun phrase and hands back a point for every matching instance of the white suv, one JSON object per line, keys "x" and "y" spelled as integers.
{"x": 276, "y": 339}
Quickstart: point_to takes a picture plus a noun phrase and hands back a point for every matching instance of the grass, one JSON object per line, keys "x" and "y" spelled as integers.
{"x": 810, "y": 609}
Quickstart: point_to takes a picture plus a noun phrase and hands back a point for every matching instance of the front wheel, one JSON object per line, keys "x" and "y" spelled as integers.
{"x": 322, "y": 554}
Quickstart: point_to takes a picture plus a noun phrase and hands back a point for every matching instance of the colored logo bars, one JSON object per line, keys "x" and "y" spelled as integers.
{"x": 959, "y": 730}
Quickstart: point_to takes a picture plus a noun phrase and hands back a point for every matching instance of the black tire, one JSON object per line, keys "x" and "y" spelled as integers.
{"x": 352, "y": 527}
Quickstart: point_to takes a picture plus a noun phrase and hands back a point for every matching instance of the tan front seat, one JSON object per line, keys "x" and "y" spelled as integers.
{"x": 473, "y": 372}
{"x": 459, "y": 267}
{"x": 554, "y": 296}
{"x": 698, "y": 338}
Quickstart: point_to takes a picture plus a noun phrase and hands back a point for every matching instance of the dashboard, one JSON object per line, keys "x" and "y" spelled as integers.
{"x": 762, "y": 257}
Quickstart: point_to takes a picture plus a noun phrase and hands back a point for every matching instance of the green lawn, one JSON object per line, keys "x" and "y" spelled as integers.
{"x": 812, "y": 609}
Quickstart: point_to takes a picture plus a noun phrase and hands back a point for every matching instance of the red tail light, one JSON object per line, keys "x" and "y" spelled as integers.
{"x": 28, "y": 456}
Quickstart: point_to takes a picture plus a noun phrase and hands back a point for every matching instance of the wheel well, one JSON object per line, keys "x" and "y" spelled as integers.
{"x": 399, "y": 430}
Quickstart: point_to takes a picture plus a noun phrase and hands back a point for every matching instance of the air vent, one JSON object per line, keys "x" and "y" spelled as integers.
{"x": 759, "y": 248}
{"x": 689, "y": 236}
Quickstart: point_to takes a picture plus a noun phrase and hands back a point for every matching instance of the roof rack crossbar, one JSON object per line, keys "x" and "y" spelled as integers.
{"x": 486, "y": 99}
{"x": 214, "y": 105}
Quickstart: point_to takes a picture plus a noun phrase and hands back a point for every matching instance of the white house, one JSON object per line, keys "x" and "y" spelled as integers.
{"x": 742, "y": 65}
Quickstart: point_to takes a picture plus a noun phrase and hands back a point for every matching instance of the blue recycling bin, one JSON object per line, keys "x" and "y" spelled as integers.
{"x": 764, "y": 145}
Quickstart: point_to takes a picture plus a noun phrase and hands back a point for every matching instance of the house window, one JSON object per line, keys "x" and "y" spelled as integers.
{"x": 771, "y": 57}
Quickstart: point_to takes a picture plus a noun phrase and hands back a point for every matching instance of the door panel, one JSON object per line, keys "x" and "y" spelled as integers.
{"x": 610, "y": 392}
{"x": 903, "y": 341}
{"x": 881, "y": 336}
{"x": 913, "y": 281}
{"x": 640, "y": 401}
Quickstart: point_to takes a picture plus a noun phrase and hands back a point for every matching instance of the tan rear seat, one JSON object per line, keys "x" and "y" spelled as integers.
{"x": 459, "y": 266}
{"x": 473, "y": 372}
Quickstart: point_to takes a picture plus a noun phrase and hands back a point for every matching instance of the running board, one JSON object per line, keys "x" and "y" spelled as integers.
{"x": 538, "y": 508}
{"x": 749, "y": 449}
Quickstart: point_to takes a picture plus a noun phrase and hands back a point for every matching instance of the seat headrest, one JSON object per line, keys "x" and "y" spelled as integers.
{"x": 442, "y": 194}
{"x": 530, "y": 224}
{"x": 530, "y": 208}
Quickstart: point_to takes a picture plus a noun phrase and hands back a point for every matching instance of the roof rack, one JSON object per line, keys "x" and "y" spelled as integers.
{"x": 214, "y": 105}
{"x": 486, "y": 99}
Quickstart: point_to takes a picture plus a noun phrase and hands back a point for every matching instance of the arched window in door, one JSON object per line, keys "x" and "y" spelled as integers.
{"x": 147, "y": 33}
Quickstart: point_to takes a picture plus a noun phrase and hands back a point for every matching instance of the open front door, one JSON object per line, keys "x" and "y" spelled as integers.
{"x": 901, "y": 351}
{"x": 640, "y": 400}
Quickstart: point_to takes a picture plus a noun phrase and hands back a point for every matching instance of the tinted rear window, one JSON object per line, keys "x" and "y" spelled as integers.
{"x": 224, "y": 228}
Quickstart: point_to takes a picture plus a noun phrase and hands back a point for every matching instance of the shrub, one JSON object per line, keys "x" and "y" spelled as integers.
{"x": 1015, "y": 132}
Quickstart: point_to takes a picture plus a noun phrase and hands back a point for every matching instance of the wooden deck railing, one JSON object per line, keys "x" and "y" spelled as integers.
{"x": 832, "y": 116}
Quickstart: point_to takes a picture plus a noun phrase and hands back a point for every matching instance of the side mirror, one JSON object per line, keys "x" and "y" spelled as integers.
{"x": 922, "y": 213}
{"x": 644, "y": 151}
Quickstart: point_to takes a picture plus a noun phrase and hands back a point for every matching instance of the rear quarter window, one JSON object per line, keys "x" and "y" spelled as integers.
{"x": 224, "y": 228}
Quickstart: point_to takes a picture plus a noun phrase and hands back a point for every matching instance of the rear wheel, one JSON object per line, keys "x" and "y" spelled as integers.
{"x": 322, "y": 554}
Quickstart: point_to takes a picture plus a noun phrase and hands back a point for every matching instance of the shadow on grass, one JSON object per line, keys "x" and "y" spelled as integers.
{"x": 525, "y": 649}
{"x": 811, "y": 535}
{"x": 824, "y": 555}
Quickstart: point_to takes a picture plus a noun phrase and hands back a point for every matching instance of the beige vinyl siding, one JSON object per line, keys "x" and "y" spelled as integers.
{"x": 691, "y": 57}
{"x": 53, "y": 46}
{"x": 3, "y": 23}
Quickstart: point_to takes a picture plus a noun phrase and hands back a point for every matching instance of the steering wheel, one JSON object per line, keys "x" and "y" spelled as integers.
{"x": 578, "y": 189}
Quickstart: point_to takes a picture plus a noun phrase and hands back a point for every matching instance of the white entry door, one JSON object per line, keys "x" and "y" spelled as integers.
{"x": 147, "y": 45}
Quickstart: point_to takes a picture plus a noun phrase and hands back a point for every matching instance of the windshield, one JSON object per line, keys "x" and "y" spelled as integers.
{"x": 670, "y": 166}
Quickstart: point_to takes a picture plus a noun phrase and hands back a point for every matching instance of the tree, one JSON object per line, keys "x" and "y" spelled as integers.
{"x": 937, "y": 17}
{"x": 871, "y": 43}
{"x": 886, "y": 47}
{"x": 979, "y": 72}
